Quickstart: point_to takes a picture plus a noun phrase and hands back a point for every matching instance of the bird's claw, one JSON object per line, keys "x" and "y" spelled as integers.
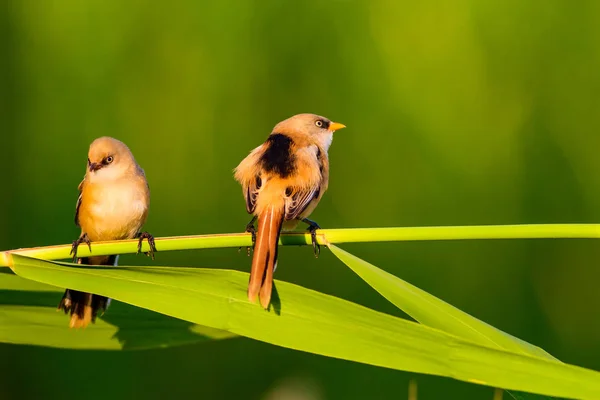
{"x": 150, "y": 238}
{"x": 252, "y": 230}
{"x": 315, "y": 245}
{"x": 82, "y": 239}
{"x": 312, "y": 228}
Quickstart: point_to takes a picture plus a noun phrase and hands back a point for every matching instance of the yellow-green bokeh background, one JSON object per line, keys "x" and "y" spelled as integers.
{"x": 458, "y": 112}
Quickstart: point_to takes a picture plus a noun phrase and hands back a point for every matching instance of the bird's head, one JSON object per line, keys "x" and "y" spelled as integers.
{"x": 314, "y": 128}
{"x": 109, "y": 159}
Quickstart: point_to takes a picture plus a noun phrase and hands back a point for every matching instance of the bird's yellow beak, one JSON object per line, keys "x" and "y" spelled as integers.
{"x": 334, "y": 126}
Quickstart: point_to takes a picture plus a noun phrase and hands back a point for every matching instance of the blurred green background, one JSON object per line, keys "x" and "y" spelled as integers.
{"x": 462, "y": 112}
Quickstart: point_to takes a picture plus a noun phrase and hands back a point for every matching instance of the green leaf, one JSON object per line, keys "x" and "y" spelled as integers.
{"x": 433, "y": 312}
{"x": 436, "y": 313}
{"x": 28, "y": 315}
{"x": 309, "y": 321}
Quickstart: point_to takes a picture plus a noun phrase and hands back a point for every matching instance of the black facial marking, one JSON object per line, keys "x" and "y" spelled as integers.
{"x": 107, "y": 160}
{"x": 278, "y": 157}
{"x": 325, "y": 123}
{"x": 93, "y": 167}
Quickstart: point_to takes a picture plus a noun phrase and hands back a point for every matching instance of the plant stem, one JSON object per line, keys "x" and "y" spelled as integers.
{"x": 325, "y": 236}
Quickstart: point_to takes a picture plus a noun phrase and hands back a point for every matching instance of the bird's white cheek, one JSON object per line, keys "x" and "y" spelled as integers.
{"x": 326, "y": 140}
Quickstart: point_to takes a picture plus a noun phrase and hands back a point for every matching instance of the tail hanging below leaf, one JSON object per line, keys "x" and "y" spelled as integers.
{"x": 264, "y": 260}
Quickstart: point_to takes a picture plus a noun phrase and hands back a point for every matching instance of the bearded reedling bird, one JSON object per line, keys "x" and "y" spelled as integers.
{"x": 113, "y": 204}
{"x": 283, "y": 180}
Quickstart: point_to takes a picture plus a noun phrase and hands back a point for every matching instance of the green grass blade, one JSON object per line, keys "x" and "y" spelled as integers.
{"x": 431, "y": 311}
{"x": 28, "y": 315}
{"x": 324, "y": 236}
{"x": 309, "y": 321}
{"x": 436, "y": 313}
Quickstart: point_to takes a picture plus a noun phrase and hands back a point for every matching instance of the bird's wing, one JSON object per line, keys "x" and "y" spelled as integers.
{"x": 142, "y": 173}
{"x": 251, "y": 189}
{"x": 299, "y": 199}
{"x": 248, "y": 174}
{"x": 80, "y": 188}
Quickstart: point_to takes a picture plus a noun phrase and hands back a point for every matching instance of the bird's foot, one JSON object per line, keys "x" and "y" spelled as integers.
{"x": 252, "y": 230}
{"x": 312, "y": 228}
{"x": 82, "y": 239}
{"x": 150, "y": 238}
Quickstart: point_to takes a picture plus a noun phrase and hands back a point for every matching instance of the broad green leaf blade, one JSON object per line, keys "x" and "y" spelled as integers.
{"x": 433, "y": 312}
{"x": 28, "y": 315}
{"x": 436, "y": 313}
{"x": 305, "y": 320}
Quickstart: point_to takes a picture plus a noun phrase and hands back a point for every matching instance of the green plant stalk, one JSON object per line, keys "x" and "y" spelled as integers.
{"x": 324, "y": 237}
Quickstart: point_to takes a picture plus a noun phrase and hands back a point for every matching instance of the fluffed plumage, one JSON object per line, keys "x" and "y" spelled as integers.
{"x": 283, "y": 180}
{"x": 113, "y": 203}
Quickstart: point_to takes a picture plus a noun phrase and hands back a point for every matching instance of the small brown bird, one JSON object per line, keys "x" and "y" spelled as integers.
{"x": 283, "y": 180}
{"x": 113, "y": 204}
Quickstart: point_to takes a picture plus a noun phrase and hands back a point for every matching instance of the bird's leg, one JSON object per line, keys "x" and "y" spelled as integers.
{"x": 150, "y": 238}
{"x": 312, "y": 228}
{"x": 82, "y": 239}
{"x": 252, "y": 230}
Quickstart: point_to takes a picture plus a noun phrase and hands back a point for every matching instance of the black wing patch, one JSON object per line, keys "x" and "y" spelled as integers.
{"x": 298, "y": 200}
{"x": 278, "y": 156}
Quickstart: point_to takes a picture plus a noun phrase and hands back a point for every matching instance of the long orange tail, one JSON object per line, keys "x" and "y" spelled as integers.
{"x": 265, "y": 255}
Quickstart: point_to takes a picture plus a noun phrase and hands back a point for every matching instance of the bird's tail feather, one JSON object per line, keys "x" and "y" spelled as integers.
{"x": 265, "y": 255}
{"x": 84, "y": 307}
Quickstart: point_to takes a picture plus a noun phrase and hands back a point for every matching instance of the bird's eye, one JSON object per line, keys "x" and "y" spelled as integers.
{"x": 319, "y": 123}
{"x": 109, "y": 159}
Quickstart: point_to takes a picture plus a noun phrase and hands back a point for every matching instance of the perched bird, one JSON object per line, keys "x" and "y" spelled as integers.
{"x": 113, "y": 204}
{"x": 283, "y": 180}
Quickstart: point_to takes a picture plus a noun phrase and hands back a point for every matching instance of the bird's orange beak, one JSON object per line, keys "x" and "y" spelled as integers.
{"x": 334, "y": 126}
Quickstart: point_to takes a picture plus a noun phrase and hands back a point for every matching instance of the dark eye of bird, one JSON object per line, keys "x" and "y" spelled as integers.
{"x": 288, "y": 191}
{"x": 319, "y": 123}
{"x": 108, "y": 160}
{"x": 258, "y": 182}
